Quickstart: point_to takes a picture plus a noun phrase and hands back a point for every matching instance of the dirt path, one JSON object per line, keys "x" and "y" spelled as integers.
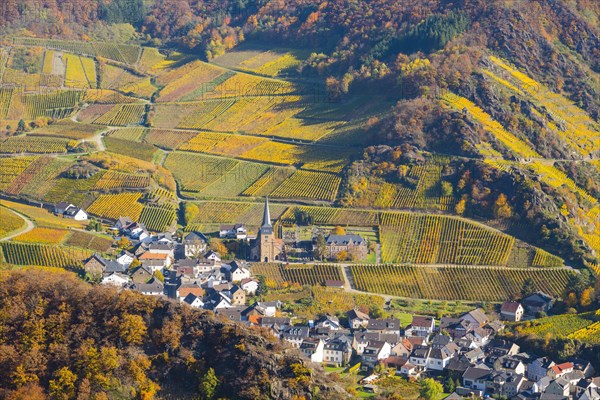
{"x": 29, "y": 226}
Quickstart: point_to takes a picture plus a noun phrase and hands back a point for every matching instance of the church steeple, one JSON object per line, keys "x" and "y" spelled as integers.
{"x": 266, "y": 227}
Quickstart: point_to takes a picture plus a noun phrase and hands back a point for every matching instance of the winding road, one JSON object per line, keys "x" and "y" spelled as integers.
{"x": 30, "y": 225}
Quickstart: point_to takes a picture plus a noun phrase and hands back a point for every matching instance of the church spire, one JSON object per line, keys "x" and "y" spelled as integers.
{"x": 266, "y": 226}
{"x": 266, "y": 222}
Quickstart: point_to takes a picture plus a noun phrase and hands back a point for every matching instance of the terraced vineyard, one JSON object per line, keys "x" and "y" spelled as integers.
{"x": 36, "y": 254}
{"x": 123, "y": 115}
{"x": 455, "y": 282}
{"x": 158, "y": 218}
{"x": 277, "y": 274}
{"x": 229, "y": 212}
{"x": 33, "y": 144}
{"x": 118, "y": 52}
{"x": 583, "y": 327}
{"x": 310, "y": 185}
{"x": 89, "y": 241}
{"x": 113, "y": 206}
{"x": 128, "y": 148}
{"x": 68, "y": 129}
{"x": 434, "y": 239}
{"x": 117, "y": 180}
{"x": 59, "y": 104}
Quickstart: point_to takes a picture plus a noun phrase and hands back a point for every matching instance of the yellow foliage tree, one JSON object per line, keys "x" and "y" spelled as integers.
{"x": 132, "y": 329}
{"x": 587, "y": 296}
{"x": 460, "y": 207}
{"x": 501, "y": 208}
{"x": 63, "y": 386}
{"x": 338, "y": 230}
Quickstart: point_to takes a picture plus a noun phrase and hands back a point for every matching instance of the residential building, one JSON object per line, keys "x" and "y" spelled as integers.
{"x": 194, "y": 244}
{"x": 353, "y": 245}
{"x": 512, "y": 311}
{"x": 539, "y": 368}
{"x": 476, "y": 377}
{"x": 237, "y": 231}
{"x": 375, "y": 352}
{"x": 537, "y": 302}
{"x": 383, "y": 325}
{"x": 313, "y": 349}
{"x": 357, "y": 319}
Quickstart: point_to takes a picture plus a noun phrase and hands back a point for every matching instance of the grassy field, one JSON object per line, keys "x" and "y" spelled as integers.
{"x": 11, "y": 222}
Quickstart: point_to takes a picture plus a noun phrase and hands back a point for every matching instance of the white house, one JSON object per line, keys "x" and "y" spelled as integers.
{"x": 337, "y": 350}
{"x": 313, "y": 349}
{"x": 420, "y": 356}
{"x": 330, "y": 321}
{"x": 60, "y": 208}
{"x": 237, "y": 231}
{"x": 357, "y": 319}
{"x": 156, "y": 261}
{"x": 125, "y": 258}
{"x": 375, "y": 352}
{"x": 75, "y": 213}
{"x": 194, "y": 244}
{"x": 439, "y": 358}
{"x": 122, "y": 223}
{"x": 421, "y": 326}
{"x": 115, "y": 279}
{"x": 512, "y": 311}
{"x": 409, "y": 369}
{"x": 476, "y": 377}
{"x": 249, "y": 285}
{"x": 213, "y": 256}
{"x": 193, "y": 300}
{"x": 539, "y": 368}
{"x": 237, "y": 272}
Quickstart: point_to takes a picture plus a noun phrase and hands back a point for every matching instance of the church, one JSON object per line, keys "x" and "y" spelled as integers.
{"x": 267, "y": 247}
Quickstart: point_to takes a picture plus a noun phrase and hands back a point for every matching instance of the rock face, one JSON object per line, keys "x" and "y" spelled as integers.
{"x": 126, "y": 345}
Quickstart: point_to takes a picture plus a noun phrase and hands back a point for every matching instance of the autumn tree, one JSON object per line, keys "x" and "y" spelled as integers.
{"x": 190, "y": 212}
{"x": 338, "y": 230}
{"x": 587, "y": 297}
{"x": 501, "y": 207}
{"x": 430, "y": 389}
{"x": 341, "y": 256}
{"x": 460, "y": 207}
{"x": 123, "y": 243}
{"x": 62, "y": 387}
{"x": 208, "y": 385}
{"x": 132, "y": 329}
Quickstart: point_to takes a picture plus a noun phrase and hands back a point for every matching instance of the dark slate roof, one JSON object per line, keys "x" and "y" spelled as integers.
{"x": 345, "y": 239}
{"x": 296, "y": 332}
{"x": 473, "y": 373}
{"x": 195, "y": 236}
{"x": 392, "y": 324}
{"x": 153, "y": 286}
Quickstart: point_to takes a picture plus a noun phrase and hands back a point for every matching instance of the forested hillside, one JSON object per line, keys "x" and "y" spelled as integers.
{"x": 62, "y": 337}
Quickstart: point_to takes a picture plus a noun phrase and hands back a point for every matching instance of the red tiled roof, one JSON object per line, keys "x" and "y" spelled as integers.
{"x": 153, "y": 256}
{"x": 561, "y": 367}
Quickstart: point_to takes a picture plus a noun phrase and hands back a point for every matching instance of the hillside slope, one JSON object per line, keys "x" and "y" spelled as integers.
{"x": 65, "y": 337}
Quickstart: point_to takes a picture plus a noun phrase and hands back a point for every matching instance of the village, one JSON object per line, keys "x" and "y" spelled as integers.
{"x": 466, "y": 352}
